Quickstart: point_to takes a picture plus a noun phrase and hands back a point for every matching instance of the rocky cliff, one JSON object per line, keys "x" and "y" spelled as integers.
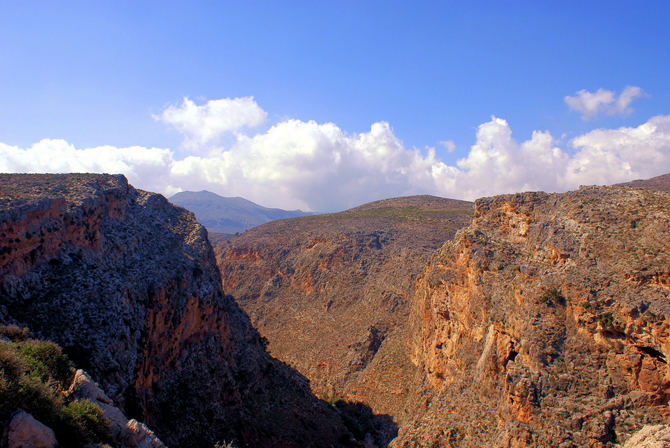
{"x": 332, "y": 293}
{"x": 544, "y": 323}
{"x": 127, "y": 284}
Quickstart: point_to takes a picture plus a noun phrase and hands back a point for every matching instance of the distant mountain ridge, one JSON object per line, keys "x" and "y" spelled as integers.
{"x": 658, "y": 183}
{"x": 229, "y": 215}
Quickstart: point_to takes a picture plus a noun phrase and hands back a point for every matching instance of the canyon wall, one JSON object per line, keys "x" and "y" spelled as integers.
{"x": 127, "y": 284}
{"x": 332, "y": 293}
{"x": 544, "y": 323}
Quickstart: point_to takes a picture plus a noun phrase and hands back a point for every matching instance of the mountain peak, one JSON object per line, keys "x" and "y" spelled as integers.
{"x": 221, "y": 214}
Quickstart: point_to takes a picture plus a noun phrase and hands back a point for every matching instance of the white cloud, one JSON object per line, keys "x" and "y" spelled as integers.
{"x": 307, "y": 165}
{"x": 204, "y": 125}
{"x": 146, "y": 168}
{"x": 607, "y": 156}
{"x": 498, "y": 164}
{"x": 319, "y": 167}
{"x": 603, "y": 101}
{"x": 449, "y": 144}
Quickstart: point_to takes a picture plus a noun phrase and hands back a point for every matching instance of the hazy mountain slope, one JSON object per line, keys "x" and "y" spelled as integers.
{"x": 331, "y": 293}
{"x": 659, "y": 183}
{"x": 545, "y": 323}
{"x": 127, "y": 284}
{"x": 228, "y": 215}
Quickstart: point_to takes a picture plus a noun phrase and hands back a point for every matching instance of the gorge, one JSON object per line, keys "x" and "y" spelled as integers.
{"x": 529, "y": 319}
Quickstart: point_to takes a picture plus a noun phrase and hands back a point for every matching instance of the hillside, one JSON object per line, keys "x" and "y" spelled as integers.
{"x": 127, "y": 284}
{"x": 544, "y": 323}
{"x": 332, "y": 293}
{"x": 528, "y": 320}
{"x": 658, "y": 183}
{"x": 228, "y": 215}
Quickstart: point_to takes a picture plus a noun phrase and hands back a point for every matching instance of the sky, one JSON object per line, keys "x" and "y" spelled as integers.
{"x": 322, "y": 106}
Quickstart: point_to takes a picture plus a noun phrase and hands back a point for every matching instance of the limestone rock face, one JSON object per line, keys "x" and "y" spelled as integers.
{"x": 331, "y": 293}
{"x": 544, "y": 323}
{"x": 23, "y": 431}
{"x": 127, "y": 284}
{"x": 656, "y": 436}
{"x": 129, "y": 433}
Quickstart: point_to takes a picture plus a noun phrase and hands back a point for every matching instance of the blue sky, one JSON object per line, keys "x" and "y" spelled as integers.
{"x": 101, "y": 74}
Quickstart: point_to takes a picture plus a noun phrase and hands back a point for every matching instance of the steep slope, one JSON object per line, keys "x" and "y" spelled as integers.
{"x": 229, "y": 215}
{"x": 127, "y": 284}
{"x": 331, "y": 292}
{"x": 545, "y": 323}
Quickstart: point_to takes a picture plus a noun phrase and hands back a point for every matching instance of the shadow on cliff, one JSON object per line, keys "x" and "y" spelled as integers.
{"x": 364, "y": 424}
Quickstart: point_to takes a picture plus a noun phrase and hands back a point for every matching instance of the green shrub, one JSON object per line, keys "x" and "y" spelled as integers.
{"x": 15, "y": 333}
{"x": 47, "y": 360}
{"x": 85, "y": 424}
{"x": 34, "y": 376}
{"x": 607, "y": 319}
{"x": 553, "y": 296}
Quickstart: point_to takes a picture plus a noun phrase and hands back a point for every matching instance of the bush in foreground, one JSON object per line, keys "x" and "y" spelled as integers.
{"x": 35, "y": 376}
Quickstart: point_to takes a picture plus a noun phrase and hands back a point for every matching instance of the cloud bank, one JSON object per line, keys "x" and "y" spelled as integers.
{"x": 319, "y": 167}
{"x": 603, "y": 101}
{"x": 204, "y": 125}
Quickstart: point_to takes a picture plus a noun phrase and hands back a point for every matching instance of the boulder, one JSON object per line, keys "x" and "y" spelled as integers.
{"x": 23, "y": 431}
{"x": 83, "y": 386}
{"x": 138, "y": 435}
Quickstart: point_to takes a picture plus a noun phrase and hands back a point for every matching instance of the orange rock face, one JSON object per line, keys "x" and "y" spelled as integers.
{"x": 545, "y": 323}
{"x": 127, "y": 284}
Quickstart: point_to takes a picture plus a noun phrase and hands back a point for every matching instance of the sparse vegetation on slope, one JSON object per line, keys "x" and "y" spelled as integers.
{"x": 35, "y": 376}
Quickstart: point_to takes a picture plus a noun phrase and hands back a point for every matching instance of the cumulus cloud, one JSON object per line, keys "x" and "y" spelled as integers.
{"x": 319, "y": 167}
{"x": 606, "y": 156}
{"x": 603, "y": 101}
{"x": 203, "y": 125}
{"x": 311, "y": 166}
{"x": 497, "y": 163}
{"x": 146, "y": 168}
{"x": 449, "y": 145}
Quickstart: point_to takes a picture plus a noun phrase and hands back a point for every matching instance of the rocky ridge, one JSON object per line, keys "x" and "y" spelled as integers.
{"x": 544, "y": 323}
{"x": 332, "y": 293}
{"x": 127, "y": 284}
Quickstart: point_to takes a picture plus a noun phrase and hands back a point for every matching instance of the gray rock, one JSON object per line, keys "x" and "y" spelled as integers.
{"x": 23, "y": 431}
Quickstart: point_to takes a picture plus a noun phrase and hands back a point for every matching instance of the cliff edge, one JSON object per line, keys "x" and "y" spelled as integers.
{"x": 127, "y": 284}
{"x": 545, "y": 323}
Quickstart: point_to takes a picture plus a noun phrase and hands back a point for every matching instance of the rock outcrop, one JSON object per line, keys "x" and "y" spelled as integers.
{"x": 127, "y": 284}
{"x": 332, "y": 293}
{"x": 23, "y": 431}
{"x": 544, "y": 323}
{"x": 128, "y": 433}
